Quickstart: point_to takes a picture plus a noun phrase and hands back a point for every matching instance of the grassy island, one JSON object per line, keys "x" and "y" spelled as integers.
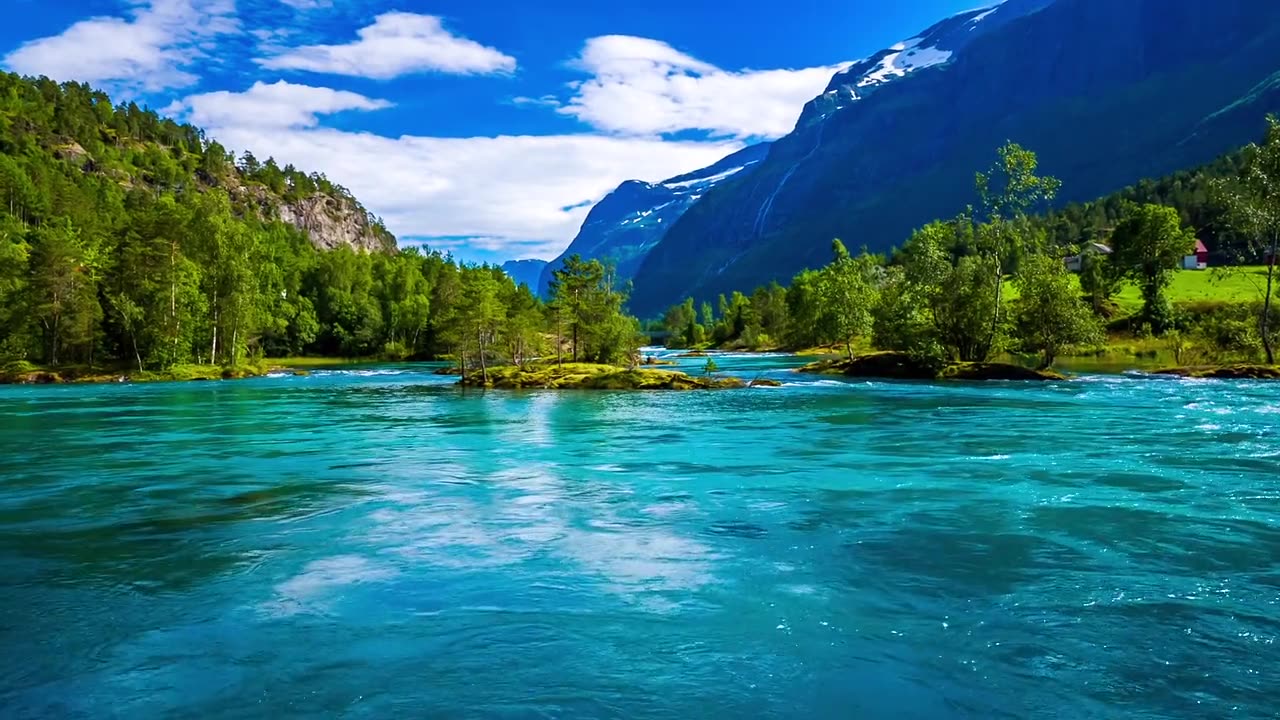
{"x": 25, "y": 373}
{"x": 901, "y": 366}
{"x": 590, "y": 376}
{"x": 1226, "y": 372}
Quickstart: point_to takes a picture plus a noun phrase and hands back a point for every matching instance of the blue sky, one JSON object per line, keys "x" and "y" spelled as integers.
{"x": 483, "y": 128}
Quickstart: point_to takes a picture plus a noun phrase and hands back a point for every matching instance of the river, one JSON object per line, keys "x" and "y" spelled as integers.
{"x": 372, "y": 542}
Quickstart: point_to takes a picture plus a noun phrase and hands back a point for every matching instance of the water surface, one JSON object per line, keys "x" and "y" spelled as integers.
{"x": 372, "y": 542}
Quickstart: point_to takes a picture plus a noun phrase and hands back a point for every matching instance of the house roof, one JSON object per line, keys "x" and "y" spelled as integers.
{"x": 1096, "y": 247}
{"x": 1200, "y": 248}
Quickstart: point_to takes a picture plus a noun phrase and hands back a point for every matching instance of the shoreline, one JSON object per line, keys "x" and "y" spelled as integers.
{"x": 659, "y": 375}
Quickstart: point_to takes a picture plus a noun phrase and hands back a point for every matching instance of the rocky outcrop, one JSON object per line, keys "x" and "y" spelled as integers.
{"x": 330, "y": 222}
{"x": 334, "y": 222}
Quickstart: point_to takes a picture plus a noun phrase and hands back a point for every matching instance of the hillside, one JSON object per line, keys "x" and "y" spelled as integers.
{"x": 69, "y": 140}
{"x": 131, "y": 240}
{"x": 1105, "y": 92}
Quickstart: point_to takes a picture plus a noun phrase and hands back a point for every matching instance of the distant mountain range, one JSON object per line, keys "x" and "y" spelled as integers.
{"x": 629, "y": 221}
{"x": 525, "y": 272}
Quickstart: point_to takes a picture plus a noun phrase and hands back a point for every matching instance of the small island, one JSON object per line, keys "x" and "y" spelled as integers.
{"x": 902, "y": 366}
{"x": 1225, "y": 372}
{"x": 592, "y": 376}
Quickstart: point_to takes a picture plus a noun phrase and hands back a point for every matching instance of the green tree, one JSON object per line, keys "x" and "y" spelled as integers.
{"x": 479, "y": 317}
{"x": 1008, "y": 191}
{"x": 847, "y": 288}
{"x": 1048, "y": 311}
{"x": 1098, "y": 279}
{"x": 65, "y": 297}
{"x": 1149, "y": 245}
{"x": 1253, "y": 211}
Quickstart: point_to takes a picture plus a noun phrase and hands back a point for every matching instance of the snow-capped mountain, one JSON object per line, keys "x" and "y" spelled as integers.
{"x": 935, "y": 46}
{"x": 629, "y": 221}
{"x": 1106, "y": 92}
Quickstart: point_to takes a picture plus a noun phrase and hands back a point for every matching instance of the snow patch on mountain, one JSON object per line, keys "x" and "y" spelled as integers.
{"x": 903, "y": 58}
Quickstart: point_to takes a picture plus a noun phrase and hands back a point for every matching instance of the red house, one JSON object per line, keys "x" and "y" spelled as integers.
{"x": 1197, "y": 261}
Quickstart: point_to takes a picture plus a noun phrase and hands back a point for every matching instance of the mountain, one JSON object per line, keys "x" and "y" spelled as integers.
{"x": 1106, "y": 92}
{"x": 71, "y": 127}
{"x": 629, "y": 221}
{"x": 524, "y": 272}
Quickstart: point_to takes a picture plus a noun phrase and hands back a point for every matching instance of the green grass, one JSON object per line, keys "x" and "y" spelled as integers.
{"x": 1222, "y": 285}
{"x": 316, "y": 362}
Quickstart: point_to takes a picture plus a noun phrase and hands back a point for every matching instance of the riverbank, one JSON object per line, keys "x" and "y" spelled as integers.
{"x": 23, "y": 373}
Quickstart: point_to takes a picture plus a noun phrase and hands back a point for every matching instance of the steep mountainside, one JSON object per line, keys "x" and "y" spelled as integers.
{"x": 74, "y": 128}
{"x": 629, "y": 221}
{"x": 524, "y": 272}
{"x": 1106, "y": 92}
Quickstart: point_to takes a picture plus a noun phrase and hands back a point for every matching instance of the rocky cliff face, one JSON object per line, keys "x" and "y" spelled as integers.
{"x": 1106, "y": 92}
{"x": 628, "y": 222}
{"x": 334, "y": 222}
{"x": 330, "y": 222}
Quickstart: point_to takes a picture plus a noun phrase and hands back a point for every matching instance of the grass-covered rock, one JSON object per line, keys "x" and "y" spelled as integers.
{"x": 588, "y": 376}
{"x": 901, "y": 366}
{"x": 25, "y": 373}
{"x": 1226, "y": 372}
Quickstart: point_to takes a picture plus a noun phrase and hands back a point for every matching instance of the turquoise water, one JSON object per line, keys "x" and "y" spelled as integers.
{"x": 375, "y": 543}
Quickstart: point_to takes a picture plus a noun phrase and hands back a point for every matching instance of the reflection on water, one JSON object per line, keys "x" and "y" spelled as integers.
{"x": 374, "y": 542}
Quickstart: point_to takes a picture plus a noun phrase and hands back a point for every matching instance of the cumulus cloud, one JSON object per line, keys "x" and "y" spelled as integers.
{"x": 397, "y": 43}
{"x": 281, "y": 104}
{"x": 152, "y": 50}
{"x": 640, "y": 86}
{"x": 510, "y": 195}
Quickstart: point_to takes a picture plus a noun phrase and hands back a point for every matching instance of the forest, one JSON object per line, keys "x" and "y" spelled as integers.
{"x": 131, "y": 241}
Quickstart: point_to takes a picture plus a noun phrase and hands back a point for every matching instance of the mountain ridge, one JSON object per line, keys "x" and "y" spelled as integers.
{"x": 626, "y": 223}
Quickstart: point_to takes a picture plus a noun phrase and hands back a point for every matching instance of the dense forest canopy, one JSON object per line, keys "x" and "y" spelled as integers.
{"x": 130, "y": 239}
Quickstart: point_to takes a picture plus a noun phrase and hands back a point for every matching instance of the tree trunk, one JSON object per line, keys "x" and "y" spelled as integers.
{"x": 848, "y": 346}
{"x": 173, "y": 302}
{"x": 995, "y": 316}
{"x": 213, "y": 349}
{"x": 484, "y": 369}
{"x": 53, "y": 347}
{"x": 1266, "y": 303}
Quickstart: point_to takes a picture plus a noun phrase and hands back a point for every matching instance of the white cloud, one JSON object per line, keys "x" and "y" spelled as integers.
{"x": 280, "y": 105}
{"x": 308, "y": 4}
{"x": 640, "y": 86}
{"x": 150, "y": 51}
{"x": 518, "y": 193}
{"x": 397, "y": 43}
